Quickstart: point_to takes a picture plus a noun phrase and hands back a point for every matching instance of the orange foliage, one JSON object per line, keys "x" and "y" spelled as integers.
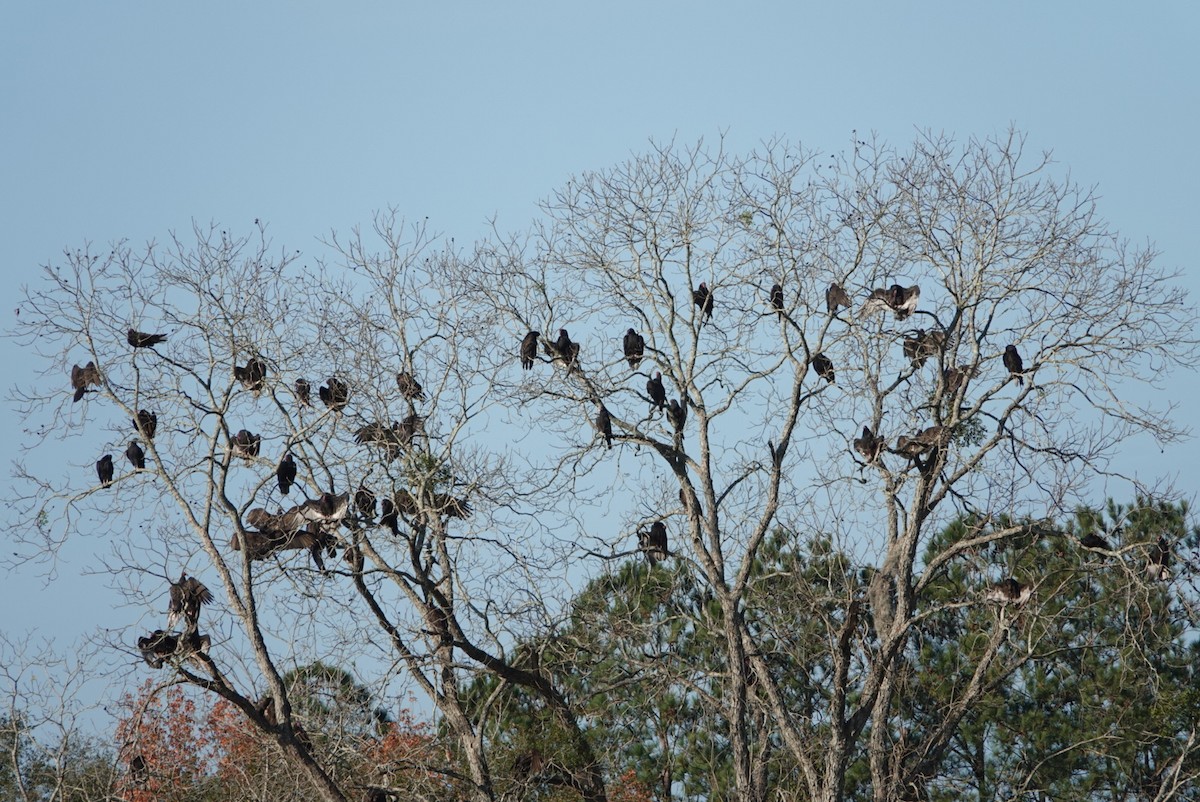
{"x": 628, "y": 788}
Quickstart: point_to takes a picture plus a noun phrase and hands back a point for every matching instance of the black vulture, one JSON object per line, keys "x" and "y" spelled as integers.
{"x": 253, "y": 375}
{"x": 388, "y": 516}
{"x": 156, "y": 646}
{"x": 245, "y": 444}
{"x": 529, "y": 349}
{"x": 135, "y": 455}
{"x": 563, "y": 350}
{"x": 835, "y": 298}
{"x": 869, "y": 445}
{"x": 777, "y": 298}
{"x": 604, "y": 425}
{"x": 410, "y": 388}
{"x": 702, "y": 297}
{"x": 285, "y": 474}
{"x": 654, "y": 542}
{"x": 364, "y": 501}
{"x": 657, "y": 392}
{"x": 635, "y": 347}
{"x": 83, "y": 377}
{"x": 328, "y": 508}
{"x": 187, "y": 596}
{"x": 1094, "y": 541}
{"x": 141, "y": 340}
{"x": 336, "y": 395}
{"x": 146, "y": 423}
{"x": 1008, "y": 591}
{"x": 104, "y": 469}
{"x": 677, "y": 414}
{"x": 1158, "y": 564}
{"x": 921, "y": 442}
{"x": 823, "y": 367}
{"x": 303, "y": 392}
{"x": 1012, "y": 361}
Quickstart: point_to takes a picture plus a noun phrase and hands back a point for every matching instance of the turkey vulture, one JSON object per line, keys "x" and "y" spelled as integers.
{"x": 921, "y": 345}
{"x": 836, "y": 297}
{"x": 923, "y": 441}
{"x": 141, "y": 340}
{"x": 410, "y": 388}
{"x": 657, "y": 393}
{"x": 326, "y": 509}
{"x": 954, "y": 378}
{"x": 187, "y": 595}
{"x": 104, "y": 469}
{"x": 364, "y": 500}
{"x": 135, "y": 455}
{"x": 252, "y": 376}
{"x": 285, "y": 474}
{"x": 1008, "y": 591}
{"x": 303, "y": 392}
{"x": 245, "y": 445}
{"x": 1012, "y": 361}
{"x": 1093, "y": 541}
{"x": 388, "y": 516}
{"x": 635, "y": 347}
{"x": 869, "y": 445}
{"x": 529, "y": 349}
{"x": 1158, "y": 566}
{"x": 146, "y": 423}
{"x": 677, "y": 415}
{"x": 702, "y": 297}
{"x": 823, "y": 367}
{"x": 82, "y": 377}
{"x": 777, "y": 298}
{"x": 156, "y": 646}
{"x": 654, "y": 542}
{"x": 336, "y": 395}
{"x": 901, "y": 300}
{"x": 563, "y": 350}
{"x": 604, "y": 425}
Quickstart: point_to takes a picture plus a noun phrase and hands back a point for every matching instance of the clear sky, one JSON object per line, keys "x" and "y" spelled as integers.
{"x": 131, "y": 119}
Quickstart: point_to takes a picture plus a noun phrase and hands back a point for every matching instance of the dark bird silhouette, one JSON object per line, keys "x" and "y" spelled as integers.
{"x": 146, "y": 424}
{"x": 159, "y": 645}
{"x": 921, "y": 442}
{"x": 187, "y": 596}
{"x": 677, "y": 415}
{"x": 135, "y": 455}
{"x": 1158, "y": 563}
{"x": 823, "y": 367}
{"x": 364, "y": 501}
{"x": 328, "y": 509}
{"x": 955, "y": 377}
{"x": 563, "y": 350}
{"x": 285, "y": 474}
{"x": 703, "y": 298}
{"x": 83, "y": 377}
{"x": 303, "y": 392}
{"x": 653, "y": 542}
{"x": 335, "y": 394}
{"x": 139, "y": 771}
{"x": 388, "y": 516}
{"x": 529, "y": 349}
{"x": 1008, "y": 591}
{"x": 869, "y": 445}
{"x": 901, "y": 300}
{"x": 253, "y": 375}
{"x": 245, "y": 445}
{"x": 393, "y": 439}
{"x": 410, "y": 388}
{"x": 604, "y": 425}
{"x": 634, "y": 345}
{"x": 1012, "y": 361}
{"x": 836, "y": 297}
{"x": 141, "y": 340}
{"x": 657, "y": 392}
{"x": 104, "y": 470}
{"x": 777, "y": 298}
{"x": 921, "y": 345}
{"x": 1094, "y": 541}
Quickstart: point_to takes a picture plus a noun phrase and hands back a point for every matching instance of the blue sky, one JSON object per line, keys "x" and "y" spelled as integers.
{"x": 129, "y": 120}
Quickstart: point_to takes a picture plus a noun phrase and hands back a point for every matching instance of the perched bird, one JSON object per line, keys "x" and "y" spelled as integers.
{"x": 1094, "y": 541}
{"x": 135, "y": 455}
{"x": 654, "y": 542}
{"x": 901, "y": 300}
{"x": 777, "y": 298}
{"x": 823, "y": 367}
{"x": 954, "y": 378}
{"x": 1012, "y": 361}
{"x": 146, "y": 423}
{"x": 677, "y": 415}
{"x": 1008, "y": 591}
{"x": 285, "y": 474}
{"x": 327, "y": 508}
{"x": 388, "y": 516}
{"x": 335, "y": 393}
{"x": 303, "y": 392}
{"x": 921, "y": 345}
{"x": 869, "y": 445}
{"x": 529, "y": 349}
{"x": 563, "y": 350}
{"x": 187, "y": 595}
{"x": 245, "y": 445}
{"x": 139, "y": 770}
{"x": 702, "y": 297}
{"x": 141, "y": 340}
{"x": 156, "y": 646}
{"x": 410, "y": 388}
{"x": 83, "y": 377}
{"x": 104, "y": 470}
{"x": 835, "y": 298}
{"x": 657, "y": 392}
{"x": 634, "y": 345}
{"x": 1158, "y": 564}
{"x": 923, "y": 441}
{"x": 253, "y": 375}
{"x": 364, "y": 501}
{"x": 604, "y": 425}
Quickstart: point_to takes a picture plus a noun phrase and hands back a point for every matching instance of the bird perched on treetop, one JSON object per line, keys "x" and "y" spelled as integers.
{"x": 140, "y": 339}
{"x": 702, "y": 297}
{"x": 529, "y": 349}
{"x": 634, "y": 346}
{"x": 1012, "y": 361}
